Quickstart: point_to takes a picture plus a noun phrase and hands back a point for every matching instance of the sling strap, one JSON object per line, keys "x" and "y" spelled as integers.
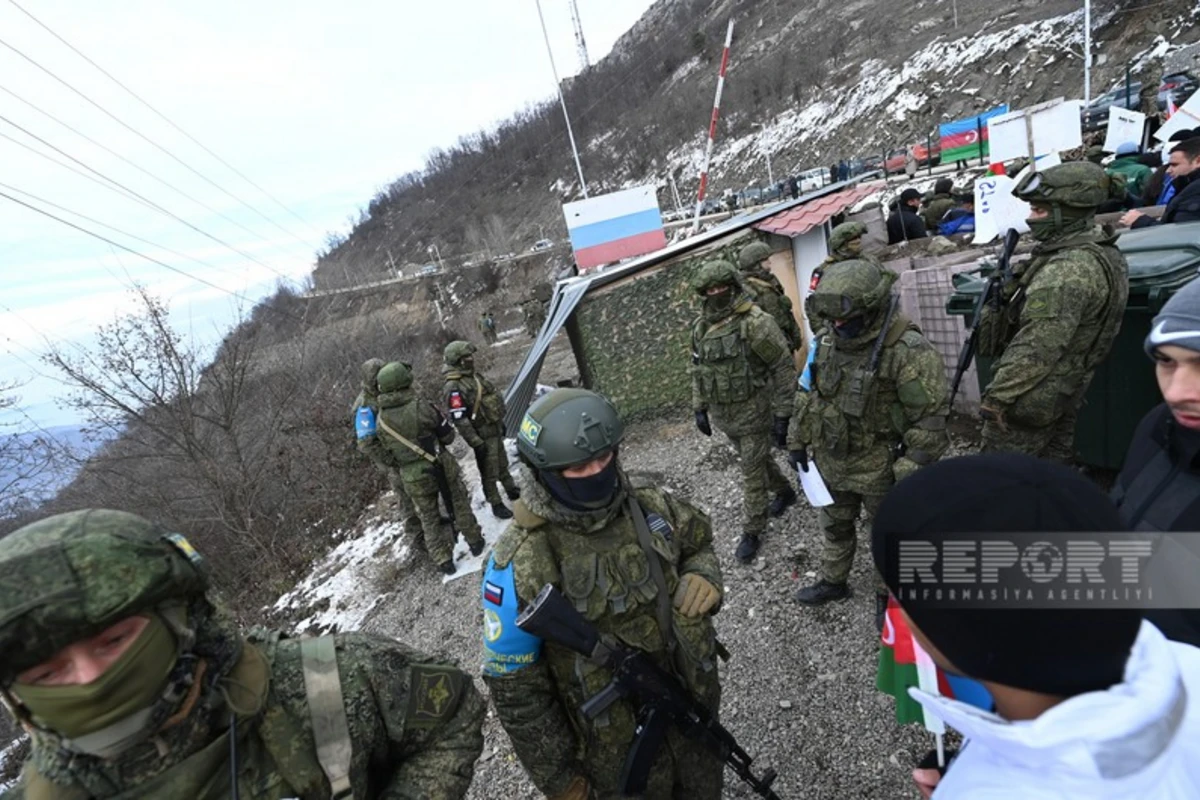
{"x": 656, "y": 572}
{"x": 478, "y": 397}
{"x": 416, "y": 448}
{"x": 331, "y": 731}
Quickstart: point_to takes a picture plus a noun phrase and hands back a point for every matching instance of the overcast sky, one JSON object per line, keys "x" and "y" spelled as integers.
{"x": 320, "y": 104}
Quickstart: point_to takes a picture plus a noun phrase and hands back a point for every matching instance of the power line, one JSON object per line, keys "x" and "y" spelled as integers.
{"x": 151, "y": 259}
{"x": 112, "y": 228}
{"x": 164, "y": 117}
{"x": 150, "y": 141}
{"x": 145, "y": 201}
{"x": 136, "y": 166}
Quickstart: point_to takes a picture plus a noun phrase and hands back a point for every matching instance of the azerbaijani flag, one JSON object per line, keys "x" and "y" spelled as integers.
{"x": 967, "y": 138}
{"x": 898, "y": 671}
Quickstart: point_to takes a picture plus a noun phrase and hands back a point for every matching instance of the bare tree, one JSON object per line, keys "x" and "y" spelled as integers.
{"x": 26, "y": 458}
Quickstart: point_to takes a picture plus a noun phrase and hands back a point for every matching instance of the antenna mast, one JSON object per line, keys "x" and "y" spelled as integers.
{"x": 580, "y": 44}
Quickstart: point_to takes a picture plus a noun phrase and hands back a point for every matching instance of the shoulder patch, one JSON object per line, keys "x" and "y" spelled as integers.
{"x": 506, "y": 648}
{"x": 433, "y": 694}
{"x": 658, "y": 524}
{"x": 531, "y": 430}
{"x": 457, "y": 404}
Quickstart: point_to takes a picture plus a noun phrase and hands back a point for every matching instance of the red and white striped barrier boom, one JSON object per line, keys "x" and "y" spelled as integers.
{"x": 712, "y": 126}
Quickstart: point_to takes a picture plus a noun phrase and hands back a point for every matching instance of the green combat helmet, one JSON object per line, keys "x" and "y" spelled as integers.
{"x": 455, "y": 352}
{"x": 753, "y": 254}
{"x": 856, "y": 288}
{"x": 846, "y": 233}
{"x": 394, "y": 377}
{"x": 80, "y": 573}
{"x": 1071, "y": 191}
{"x": 716, "y": 273}
{"x": 568, "y": 427}
{"x": 369, "y": 372}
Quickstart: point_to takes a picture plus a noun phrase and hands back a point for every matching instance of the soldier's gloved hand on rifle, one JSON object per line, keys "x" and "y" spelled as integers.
{"x": 577, "y": 790}
{"x": 702, "y": 423}
{"x": 695, "y": 596}
{"x": 990, "y": 412}
{"x": 799, "y": 458}
{"x": 779, "y": 431}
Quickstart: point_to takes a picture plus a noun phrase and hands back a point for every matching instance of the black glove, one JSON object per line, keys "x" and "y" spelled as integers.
{"x": 799, "y": 458}
{"x": 702, "y": 423}
{"x": 779, "y": 431}
{"x": 930, "y": 760}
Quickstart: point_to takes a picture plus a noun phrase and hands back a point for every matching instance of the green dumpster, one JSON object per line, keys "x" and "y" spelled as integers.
{"x": 1161, "y": 260}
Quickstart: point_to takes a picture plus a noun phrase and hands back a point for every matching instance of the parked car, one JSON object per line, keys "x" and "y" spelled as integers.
{"x": 752, "y": 196}
{"x": 429, "y": 269}
{"x": 772, "y": 194}
{"x": 813, "y": 179}
{"x": 1178, "y": 87}
{"x": 541, "y": 244}
{"x": 896, "y": 159}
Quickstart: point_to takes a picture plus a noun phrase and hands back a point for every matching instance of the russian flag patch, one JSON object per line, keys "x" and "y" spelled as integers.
{"x": 492, "y": 593}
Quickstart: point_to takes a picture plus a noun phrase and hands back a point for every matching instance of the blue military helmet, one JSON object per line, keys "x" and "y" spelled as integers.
{"x": 568, "y": 427}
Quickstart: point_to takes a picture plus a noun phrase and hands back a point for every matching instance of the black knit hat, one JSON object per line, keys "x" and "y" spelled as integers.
{"x": 1060, "y": 651}
{"x": 909, "y": 194}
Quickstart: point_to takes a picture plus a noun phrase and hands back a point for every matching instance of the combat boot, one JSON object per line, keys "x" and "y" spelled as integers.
{"x": 500, "y": 511}
{"x": 448, "y": 567}
{"x": 747, "y": 548}
{"x": 513, "y": 494}
{"x": 822, "y": 592}
{"x": 477, "y": 547}
{"x": 782, "y": 502}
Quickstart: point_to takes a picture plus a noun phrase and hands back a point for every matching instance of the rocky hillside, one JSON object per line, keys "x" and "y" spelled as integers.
{"x": 810, "y": 81}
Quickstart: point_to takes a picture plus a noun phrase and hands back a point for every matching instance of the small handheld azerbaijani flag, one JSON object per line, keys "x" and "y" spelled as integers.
{"x": 898, "y": 669}
{"x": 614, "y": 226}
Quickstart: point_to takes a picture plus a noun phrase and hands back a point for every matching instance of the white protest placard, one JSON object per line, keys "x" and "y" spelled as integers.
{"x": 1124, "y": 127}
{"x": 1187, "y": 116}
{"x": 1055, "y": 127}
{"x": 996, "y": 209}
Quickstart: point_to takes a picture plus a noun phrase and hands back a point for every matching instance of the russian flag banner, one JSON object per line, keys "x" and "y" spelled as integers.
{"x": 614, "y": 226}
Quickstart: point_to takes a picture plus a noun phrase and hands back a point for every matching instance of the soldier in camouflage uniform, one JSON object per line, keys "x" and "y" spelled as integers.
{"x": 133, "y": 682}
{"x": 477, "y": 409}
{"x": 487, "y": 326}
{"x": 768, "y": 292}
{"x": 534, "y": 311}
{"x": 936, "y": 206}
{"x": 845, "y": 243}
{"x": 871, "y": 409}
{"x": 364, "y": 413}
{"x": 576, "y": 527}
{"x": 1059, "y": 315}
{"x": 743, "y": 375}
{"x": 411, "y": 430}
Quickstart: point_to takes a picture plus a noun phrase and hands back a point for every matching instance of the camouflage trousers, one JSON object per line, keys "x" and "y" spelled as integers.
{"x": 761, "y": 477}
{"x": 404, "y": 505}
{"x": 493, "y": 465}
{"x": 1054, "y": 442}
{"x": 683, "y": 770}
{"x": 489, "y": 336}
{"x": 839, "y": 525}
{"x": 424, "y": 491}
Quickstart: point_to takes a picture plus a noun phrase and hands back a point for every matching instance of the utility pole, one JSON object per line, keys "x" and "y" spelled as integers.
{"x": 1087, "y": 52}
{"x": 580, "y": 44}
{"x": 562, "y": 101}
{"x": 433, "y": 250}
{"x": 712, "y": 127}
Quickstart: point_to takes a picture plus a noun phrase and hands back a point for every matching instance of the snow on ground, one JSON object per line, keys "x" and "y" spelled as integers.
{"x": 344, "y": 587}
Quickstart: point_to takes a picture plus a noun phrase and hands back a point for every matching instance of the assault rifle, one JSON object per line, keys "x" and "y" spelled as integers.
{"x": 989, "y": 295}
{"x": 660, "y": 698}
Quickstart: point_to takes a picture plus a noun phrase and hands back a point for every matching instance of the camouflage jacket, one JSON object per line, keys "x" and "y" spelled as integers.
{"x": 770, "y": 297}
{"x": 595, "y": 560}
{"x": 419, "y": 423}
{"x": 1062, "y": 312}
{"x": 473, "y": 403}
{"x": 414, "y": 724}
{"x": 935, "y": 209}
{"x": 742, "y": 369}
{"x": 868, "y": 430}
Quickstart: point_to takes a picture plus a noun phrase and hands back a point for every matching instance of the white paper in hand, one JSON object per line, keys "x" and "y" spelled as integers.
{"x": 814, "y": 486}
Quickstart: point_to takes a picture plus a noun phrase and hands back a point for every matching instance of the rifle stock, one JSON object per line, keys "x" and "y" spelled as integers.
{"x": 989, "y": 294}
{"x": 660, "y": 698}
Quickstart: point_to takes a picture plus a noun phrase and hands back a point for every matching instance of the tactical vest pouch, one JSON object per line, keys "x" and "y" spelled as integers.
{"x": 579, "y": 584}
{"x": 856, "y": 397}
{"x": 725, "y": 369}
{"x": 835, "y": 431}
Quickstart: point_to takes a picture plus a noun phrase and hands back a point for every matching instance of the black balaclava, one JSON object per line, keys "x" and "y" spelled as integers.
{"x": 1050, "y": 650}
{"x": 583, "y": 494}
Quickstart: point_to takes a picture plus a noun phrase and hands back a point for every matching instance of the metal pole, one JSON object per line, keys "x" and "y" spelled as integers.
{"x": 712, "y": 126}
{"x": 562, "y": 100}
{"x": 955, "y": 4}
{"x": 1087, "y": 52}
{"x": 770, "y": 173}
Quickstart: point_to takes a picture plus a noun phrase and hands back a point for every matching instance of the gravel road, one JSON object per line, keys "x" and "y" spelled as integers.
{"x": 799, "y": 691}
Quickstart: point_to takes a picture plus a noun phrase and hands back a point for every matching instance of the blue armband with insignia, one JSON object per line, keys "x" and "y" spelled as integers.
{"x": 364, "y": 422}
{"x": 806, "y": 379}
{"x": 506, "y": 648}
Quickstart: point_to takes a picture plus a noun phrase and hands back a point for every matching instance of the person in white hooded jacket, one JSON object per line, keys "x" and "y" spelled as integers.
{"x": 1089, "y": 702}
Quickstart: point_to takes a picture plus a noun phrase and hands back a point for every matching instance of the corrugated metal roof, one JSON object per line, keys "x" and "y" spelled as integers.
{"x": 802, "y": 218}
